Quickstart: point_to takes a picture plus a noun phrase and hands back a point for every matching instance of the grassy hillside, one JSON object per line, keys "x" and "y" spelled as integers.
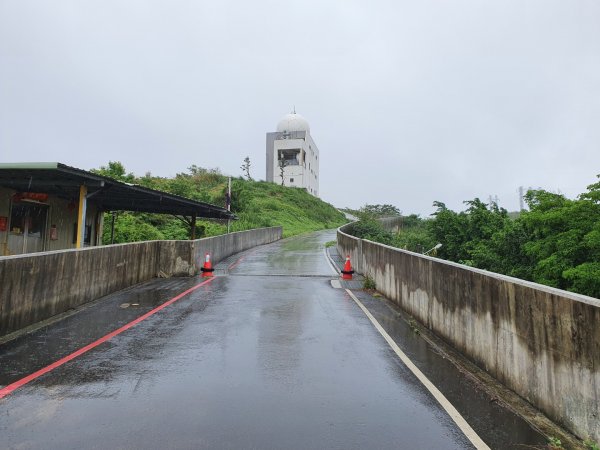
{"x": 256, "y": 203}
{"x": 261, "y": 204}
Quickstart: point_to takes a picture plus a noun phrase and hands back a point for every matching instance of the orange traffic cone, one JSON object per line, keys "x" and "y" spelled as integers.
{"x": 207, "y": 268}
{"x": 347, "y": 272}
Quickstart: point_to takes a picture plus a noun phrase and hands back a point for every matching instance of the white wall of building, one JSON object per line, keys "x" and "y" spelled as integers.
{"x": 293, "y": 142}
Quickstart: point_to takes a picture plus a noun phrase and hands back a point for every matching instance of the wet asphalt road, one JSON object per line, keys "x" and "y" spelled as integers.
{"x": 266, "y": 355}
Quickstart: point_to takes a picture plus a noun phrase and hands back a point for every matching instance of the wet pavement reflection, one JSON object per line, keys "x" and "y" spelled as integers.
{"x": 267, "y": 355}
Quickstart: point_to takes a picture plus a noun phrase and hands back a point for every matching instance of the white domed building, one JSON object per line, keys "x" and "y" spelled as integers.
{"x": 292, "y": 147}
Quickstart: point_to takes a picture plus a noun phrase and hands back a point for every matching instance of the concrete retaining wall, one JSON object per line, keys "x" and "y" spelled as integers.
{"x": 391, "y": 224}
{"x": 38, "y": 286}
{"x": 542, "y": 343}
{"x": 236, "y": 242}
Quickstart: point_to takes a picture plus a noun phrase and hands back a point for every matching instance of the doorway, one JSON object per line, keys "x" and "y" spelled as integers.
{"x": 27, "y": 232}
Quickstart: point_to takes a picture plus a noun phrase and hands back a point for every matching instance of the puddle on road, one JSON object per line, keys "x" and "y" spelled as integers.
{"x": 127, "y": 305}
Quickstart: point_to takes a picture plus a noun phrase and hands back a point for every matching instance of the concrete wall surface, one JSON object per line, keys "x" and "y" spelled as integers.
{"x": 37, "y": 286}
{"x": 220, "y": 249}
{"x": 542, "y": 343}
{"x": 392, "y": 224}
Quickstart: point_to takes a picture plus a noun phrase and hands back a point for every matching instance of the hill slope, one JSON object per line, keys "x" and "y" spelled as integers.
{"x": 256, "y": 203}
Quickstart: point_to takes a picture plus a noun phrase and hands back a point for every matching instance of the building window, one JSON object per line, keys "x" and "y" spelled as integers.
{"x": 291, "y": 180}
{"x": 290, "y": 157}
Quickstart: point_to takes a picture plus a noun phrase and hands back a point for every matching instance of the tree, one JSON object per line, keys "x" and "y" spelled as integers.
{"x": 450, "y": 229}
{"x": 564, "y": 239}
{"x": 556, "y": 242}
{"x": 467, "y": 236}
{"x": 381, "y": 210}
{"x": 115, "y": 170}
{"x": 282, "y": 165}
{"x": 371, "y": 229}
{"x": 246, "y": 168}
{"x": 414, "y": 234}
{"x": 585, "y": 278}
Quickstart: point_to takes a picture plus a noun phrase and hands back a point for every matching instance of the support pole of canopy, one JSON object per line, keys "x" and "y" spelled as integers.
{"x": 98, "y": 225}
{"x": 112, "y": 228}
{"x": 193, "y": 231}
{"x": 81, "y": 215}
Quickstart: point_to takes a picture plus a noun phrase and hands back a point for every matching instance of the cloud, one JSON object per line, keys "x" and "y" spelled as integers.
{"x": 409, "y": 102}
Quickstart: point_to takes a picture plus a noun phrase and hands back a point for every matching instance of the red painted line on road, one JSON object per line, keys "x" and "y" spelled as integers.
{"x": 235, "y": 264}
{"x": 9, "y": 389}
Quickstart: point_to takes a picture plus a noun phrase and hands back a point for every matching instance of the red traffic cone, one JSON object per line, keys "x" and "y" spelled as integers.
{"x": 207, "y": 268}
{"x": 347, "y": 272}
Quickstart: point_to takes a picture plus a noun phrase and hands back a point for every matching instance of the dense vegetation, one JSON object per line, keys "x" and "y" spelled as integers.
{"x": 556, "y": 242}
{"x": 256, "y": 203}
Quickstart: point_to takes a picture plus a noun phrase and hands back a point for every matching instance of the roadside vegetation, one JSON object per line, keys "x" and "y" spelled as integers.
{"x": 556, "y": 242}
{"x": 257, "y": 204}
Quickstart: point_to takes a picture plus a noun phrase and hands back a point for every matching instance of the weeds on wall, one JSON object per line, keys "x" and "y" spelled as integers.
{"x": 369, "y": 283}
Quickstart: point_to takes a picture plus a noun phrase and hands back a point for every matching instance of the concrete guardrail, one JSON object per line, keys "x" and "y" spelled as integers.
{"x": 542, "y": 343}
{"x": 37, "y": 286}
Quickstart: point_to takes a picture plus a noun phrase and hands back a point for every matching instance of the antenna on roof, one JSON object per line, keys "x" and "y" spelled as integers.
{"x": 294, "y": 111}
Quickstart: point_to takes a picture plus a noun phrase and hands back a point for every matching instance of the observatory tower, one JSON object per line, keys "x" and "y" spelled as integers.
{"x": 291, "y": 149}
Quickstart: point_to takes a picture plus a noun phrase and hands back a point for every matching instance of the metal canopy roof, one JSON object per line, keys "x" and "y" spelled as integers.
{"x": 111, "y": 195}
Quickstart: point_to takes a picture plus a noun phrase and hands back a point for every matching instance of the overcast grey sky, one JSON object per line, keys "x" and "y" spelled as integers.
{"x": 408, "y": 101}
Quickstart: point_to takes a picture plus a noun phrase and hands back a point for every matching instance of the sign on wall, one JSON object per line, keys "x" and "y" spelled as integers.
{"x": 53, "y": 233}
{"x": 36, "y": 196}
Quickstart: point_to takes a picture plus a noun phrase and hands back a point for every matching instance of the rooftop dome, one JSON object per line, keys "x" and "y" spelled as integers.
{"x": 293, "y": 122}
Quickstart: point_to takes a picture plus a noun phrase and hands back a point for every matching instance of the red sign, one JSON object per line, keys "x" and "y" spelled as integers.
{"x": 37, "y": 196}
{"x": 3, "y": 223}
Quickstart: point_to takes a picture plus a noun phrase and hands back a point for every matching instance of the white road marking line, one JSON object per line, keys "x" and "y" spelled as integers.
{"x": 443, "y": 401}
{"x": 328, "y": 259}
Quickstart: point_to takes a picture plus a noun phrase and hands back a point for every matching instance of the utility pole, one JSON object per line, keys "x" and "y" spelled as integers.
{"x": 228, "y": 200}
